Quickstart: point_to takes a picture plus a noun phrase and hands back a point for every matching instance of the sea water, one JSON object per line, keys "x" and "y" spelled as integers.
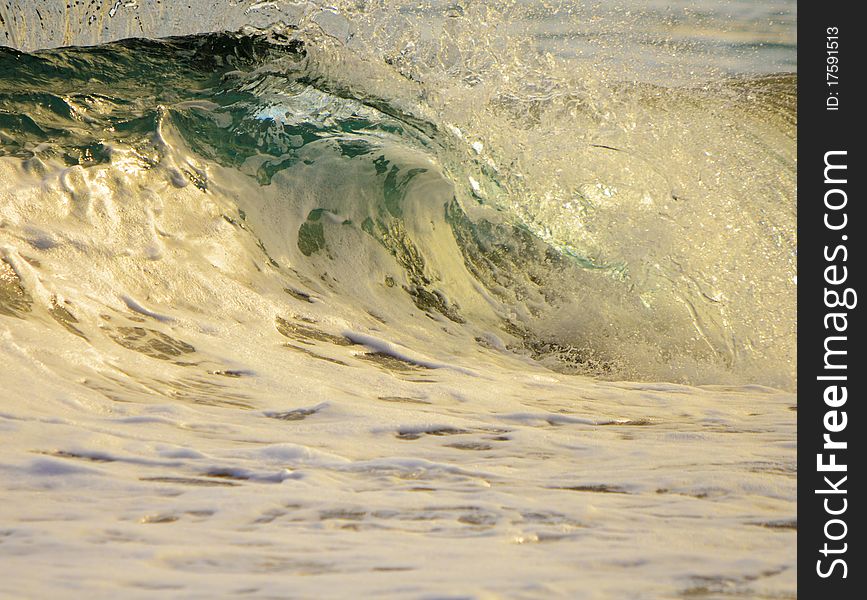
{"x": 371, "y": 299}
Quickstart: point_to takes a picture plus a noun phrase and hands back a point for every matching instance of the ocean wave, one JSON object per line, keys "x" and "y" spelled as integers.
{"x": 357, "y": 181}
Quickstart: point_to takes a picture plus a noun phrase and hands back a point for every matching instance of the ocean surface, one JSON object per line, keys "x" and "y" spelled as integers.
{"x": 397, "y": 300}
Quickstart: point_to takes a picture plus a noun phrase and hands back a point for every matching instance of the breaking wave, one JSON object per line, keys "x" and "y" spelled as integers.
{"x": 446, "y": 186}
